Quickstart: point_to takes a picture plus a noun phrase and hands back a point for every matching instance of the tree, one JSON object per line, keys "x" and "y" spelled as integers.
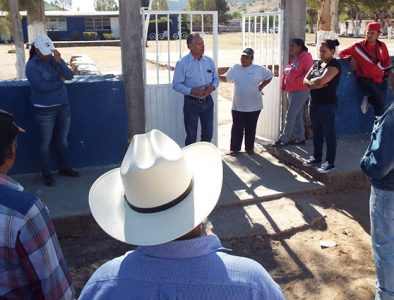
{"x": 105, "y": 5}
{"x": 17, "y": 35}
{"x": 65, "y": 4}
{"x": 159, "y": 4}
{"x": 220, "y": 5}
{"x": 35, "y": 18}
{"x": 311, "y": 13}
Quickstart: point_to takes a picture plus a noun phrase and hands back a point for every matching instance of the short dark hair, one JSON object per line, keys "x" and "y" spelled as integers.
{"x": 5, "y": 151}
{"x": 191, "y": 37}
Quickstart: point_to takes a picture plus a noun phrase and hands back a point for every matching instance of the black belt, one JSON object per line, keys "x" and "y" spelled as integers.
{"x": 201, "y": 100}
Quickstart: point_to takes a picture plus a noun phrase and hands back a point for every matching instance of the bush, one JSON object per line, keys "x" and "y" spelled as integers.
{"x": 107, "y": 36}
{"x": 75, "y": 36}
{"x": 90, "y": 35}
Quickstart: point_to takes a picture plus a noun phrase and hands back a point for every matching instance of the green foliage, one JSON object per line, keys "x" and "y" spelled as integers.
{"x": 107, "y": 36}
{"x": 90, "y": 35}
{"x": 5, "y": 28}
{"x": 75, "y": 36}
{"x": 236, "y": 15}
{"x": 105, "y": 5}
{"x": 159, "y": 4}
{"x": 211, "y": 5}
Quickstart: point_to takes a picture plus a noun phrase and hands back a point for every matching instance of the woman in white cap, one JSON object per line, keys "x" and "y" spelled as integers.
{"x": 46, "y": 72}
{"x": 249, "y": 81}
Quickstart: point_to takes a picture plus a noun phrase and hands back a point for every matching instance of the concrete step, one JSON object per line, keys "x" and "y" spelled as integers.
{"x": 347, "y": 172}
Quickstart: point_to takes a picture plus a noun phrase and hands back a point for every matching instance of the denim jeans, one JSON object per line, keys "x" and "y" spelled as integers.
{"x": 323, "y": 125}
{"x": 243, "y": 122}
{"x": 294, "y": 124}
{"x": 53, "y": 122}
{"x": 376, "y": 92}
{"x": 193, "y": 109}
{"x": 381, "y": 204}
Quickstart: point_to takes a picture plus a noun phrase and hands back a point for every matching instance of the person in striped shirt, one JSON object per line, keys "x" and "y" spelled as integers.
{"x": 32, "y": 265}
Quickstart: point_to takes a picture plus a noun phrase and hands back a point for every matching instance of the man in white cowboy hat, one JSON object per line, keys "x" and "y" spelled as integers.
{"x": 158, "y": 199}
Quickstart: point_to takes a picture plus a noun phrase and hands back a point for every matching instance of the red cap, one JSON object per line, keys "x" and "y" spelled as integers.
{"x": 373, "y": 26}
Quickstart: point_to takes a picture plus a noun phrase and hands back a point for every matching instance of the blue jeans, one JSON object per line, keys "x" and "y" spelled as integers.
{"x": 243, "y": 122}
{"x": 194, "y": 109}
{"x": 53, "y": 122}
{"x": 376, "y": 92}
{"x": 381, "y": 204}
{"x": 323, "y": 125}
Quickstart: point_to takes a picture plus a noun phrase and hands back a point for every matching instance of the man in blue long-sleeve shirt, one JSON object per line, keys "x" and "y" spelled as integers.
{"x": 378, "y": 164}
{"x": 46, "y": 72}
{"x": 158, "y": 199}
{"x": 196, "y": 78}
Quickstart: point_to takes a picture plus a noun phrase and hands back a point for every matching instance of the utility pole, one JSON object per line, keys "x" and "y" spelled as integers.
{"x": 17, "y": 36}
{"x": 327, "y": 21}
{"x": 131, "y": 53}
{"x": 35, "y": 19}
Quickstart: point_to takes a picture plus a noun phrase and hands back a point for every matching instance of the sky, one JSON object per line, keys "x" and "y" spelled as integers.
{"x": 83, "y": 5}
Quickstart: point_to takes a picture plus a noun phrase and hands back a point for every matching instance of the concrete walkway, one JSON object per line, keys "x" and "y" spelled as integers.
{"x": 258, "y": 193}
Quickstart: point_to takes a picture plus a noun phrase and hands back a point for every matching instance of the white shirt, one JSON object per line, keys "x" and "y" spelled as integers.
{"x": 247, "y": 96}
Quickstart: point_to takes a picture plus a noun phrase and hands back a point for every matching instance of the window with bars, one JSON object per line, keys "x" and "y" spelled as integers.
{"x": 56, "y": 24}
{"x": 97, "y": 23}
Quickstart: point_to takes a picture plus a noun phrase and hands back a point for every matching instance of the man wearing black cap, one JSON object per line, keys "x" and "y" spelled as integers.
{"x": 31, "y": 262}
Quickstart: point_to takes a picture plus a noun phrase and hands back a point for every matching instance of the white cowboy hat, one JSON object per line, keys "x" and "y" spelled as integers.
{"x": 160, "y": 192}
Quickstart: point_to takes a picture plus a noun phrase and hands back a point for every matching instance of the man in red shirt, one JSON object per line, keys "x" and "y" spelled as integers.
{"x": 370, "y": 59}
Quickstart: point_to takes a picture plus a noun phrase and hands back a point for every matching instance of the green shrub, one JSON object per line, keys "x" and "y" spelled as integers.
{"x": 75, "y": 36}
{"x": 90, "y": 35}
{"x": 107, "y": 36}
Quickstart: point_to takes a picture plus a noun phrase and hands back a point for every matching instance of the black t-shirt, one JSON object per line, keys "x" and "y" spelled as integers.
{"x": 326, "y": 95}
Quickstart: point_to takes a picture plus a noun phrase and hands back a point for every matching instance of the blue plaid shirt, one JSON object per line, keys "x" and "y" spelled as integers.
{"x": 191, "y": 72}
{"x": 31, "y": 261}
{"x": 183, "y": 269}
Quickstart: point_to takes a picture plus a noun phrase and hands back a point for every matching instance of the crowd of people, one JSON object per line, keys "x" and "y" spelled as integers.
{"x": 140, "y": 203}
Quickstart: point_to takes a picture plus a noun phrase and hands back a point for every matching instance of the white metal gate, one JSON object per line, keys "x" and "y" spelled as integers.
{"x": 164, "y": 37}
{"x": 263, "y": 33}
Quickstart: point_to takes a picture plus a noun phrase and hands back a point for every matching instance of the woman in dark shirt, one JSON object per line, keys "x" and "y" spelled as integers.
{"x": 323, "y": 80}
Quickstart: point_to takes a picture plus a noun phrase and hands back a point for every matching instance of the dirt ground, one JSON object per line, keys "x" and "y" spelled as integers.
{"x": 295, "y": 260}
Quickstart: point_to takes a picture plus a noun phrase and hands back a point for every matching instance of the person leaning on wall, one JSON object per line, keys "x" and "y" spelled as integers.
{"x": 300, "y": 62}
{"x": 46, "y": 72}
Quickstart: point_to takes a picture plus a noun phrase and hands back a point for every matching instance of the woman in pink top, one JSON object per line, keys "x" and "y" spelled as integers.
{"x": 300, "y": 62}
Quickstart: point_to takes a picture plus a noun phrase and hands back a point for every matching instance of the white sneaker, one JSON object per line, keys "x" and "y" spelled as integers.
{"x": 365, "y": 105}
{"x": 325, "y": 168}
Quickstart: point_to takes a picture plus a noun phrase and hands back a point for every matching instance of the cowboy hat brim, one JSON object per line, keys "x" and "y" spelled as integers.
{"x": 111, "y": 211}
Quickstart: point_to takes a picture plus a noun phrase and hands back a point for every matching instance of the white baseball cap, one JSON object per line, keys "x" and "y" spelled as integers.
{"x": 44, "y": 44}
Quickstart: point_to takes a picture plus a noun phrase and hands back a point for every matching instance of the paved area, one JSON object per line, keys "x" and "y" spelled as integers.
{"x": 258, "y": 194}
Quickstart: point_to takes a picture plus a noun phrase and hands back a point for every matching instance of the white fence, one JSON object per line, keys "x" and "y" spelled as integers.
{"x": 165, "y": 35}
{"x": 262, "y": 32}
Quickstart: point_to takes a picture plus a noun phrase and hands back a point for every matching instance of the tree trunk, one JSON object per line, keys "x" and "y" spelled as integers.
{"x": 131, "y": 54}
{"x": 327, "y": 21}
{"x": 17, "y": 36}
{"x": 35, "y": 19}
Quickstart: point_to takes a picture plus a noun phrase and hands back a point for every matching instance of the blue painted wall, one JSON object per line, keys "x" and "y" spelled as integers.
{"x": 350, "y": 119}
{"x": 98, "y": 133}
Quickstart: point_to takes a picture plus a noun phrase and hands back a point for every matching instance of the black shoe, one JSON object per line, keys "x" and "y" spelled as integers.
{"x": 311, "y": 161}
{"x": 296, "y": 142}
{"x": 279, "y": 143}
{"x": 69, "y": 173}
{"x": 232, "y": 153}
{"x": 48, "y": 180}
{"x": 250, "y": 152}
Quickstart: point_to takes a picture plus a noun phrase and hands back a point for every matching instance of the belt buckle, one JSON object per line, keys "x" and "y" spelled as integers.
{"x": 201, "y": 100}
